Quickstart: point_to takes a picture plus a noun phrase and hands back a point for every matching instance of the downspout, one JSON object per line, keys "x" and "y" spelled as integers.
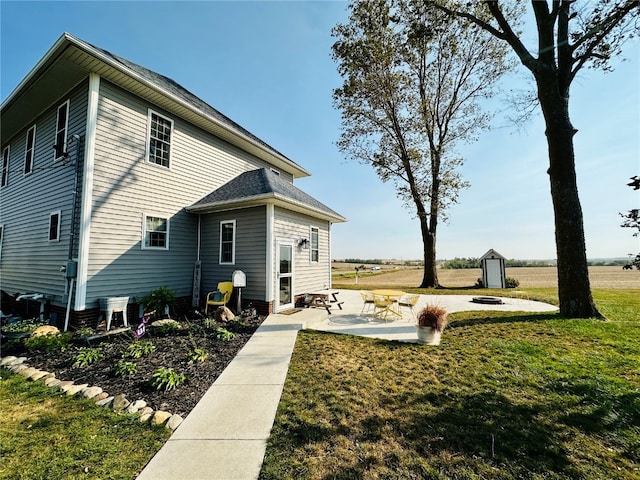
{"x": 71, "y": 268}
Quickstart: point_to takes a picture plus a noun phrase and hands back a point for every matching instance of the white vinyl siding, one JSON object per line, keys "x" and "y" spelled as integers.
{"x": 155, "y": 232}
{"x": 1, "y": 236}
{"x": 315, "y": 245}
{"x": 5, "y": 166}
{"x": 60, "y": 140}
{"x": 29, "y": 150}
{"x": 54, "y": 226}
{"x": 228, "y": 242}
{"x": 159, "y": 139}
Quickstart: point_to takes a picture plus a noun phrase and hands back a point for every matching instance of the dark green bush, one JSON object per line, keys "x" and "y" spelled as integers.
{"x": 510, "y": 282}
{"x": 49, "y": 343}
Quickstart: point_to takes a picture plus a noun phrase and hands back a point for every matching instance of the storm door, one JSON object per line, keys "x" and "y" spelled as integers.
{"x": 284, "y": 292}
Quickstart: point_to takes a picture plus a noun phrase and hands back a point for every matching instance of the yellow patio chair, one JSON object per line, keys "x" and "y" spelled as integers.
{"x": 382, "y": 306}
{"x": 409, "y": 301}
{"x": 220, "y": 296}
{"x": 367, "y": 299}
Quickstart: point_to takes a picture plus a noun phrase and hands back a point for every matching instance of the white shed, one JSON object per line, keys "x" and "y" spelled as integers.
{"x": 493, "y": 270}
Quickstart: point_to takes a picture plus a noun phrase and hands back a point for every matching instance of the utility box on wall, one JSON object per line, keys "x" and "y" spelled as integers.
{"x": 493, "y": 270}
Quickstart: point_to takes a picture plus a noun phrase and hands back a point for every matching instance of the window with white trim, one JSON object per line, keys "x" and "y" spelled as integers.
{"x": 315, "y": 251}
{"x": 29, "y": 150}
{"x": 5, "y": 166}
{"x": 155, "y": 233}
{"x": 54, "y": 226}
{"x": 62, "y": 121}
{"x": 159, "y": 139}
{"x": 228, "y": 242}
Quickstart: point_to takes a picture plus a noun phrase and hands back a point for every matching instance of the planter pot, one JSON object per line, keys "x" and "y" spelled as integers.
{"x": 428, "y": 336}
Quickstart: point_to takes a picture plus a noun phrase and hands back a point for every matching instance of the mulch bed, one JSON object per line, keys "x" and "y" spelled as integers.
{"x": 171, "y": 352}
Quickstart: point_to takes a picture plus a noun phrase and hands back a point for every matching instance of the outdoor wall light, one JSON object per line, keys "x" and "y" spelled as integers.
{"x": 303, "y": 243}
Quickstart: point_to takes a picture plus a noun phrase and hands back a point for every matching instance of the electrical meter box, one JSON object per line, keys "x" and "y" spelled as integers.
{"x": 71, "y": 269}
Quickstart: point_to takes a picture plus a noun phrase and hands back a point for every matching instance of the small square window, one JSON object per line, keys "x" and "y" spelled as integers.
{"x": 156, "y": 232}
{"x": 54, "y": 226}
{"x": 159, "y": 141}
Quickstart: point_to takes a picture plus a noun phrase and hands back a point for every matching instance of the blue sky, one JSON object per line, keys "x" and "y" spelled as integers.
{"x": 267, "y": 65}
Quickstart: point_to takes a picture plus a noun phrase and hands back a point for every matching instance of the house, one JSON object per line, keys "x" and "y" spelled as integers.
{"x": 117, "y": 181}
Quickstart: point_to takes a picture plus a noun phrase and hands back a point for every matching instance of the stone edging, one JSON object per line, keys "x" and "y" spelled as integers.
{"x": 118, "y": 403}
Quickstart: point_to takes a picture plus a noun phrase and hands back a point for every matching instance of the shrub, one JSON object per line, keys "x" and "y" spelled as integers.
{"x": 237, "y": 324}
{"x": 169, "y": 327}
{"x": 223, "y": 334}
{"x": 433, "y": 316}
{"x": 49, "y": 343}
{"x": 87, "y": 356}
{"x": 139, "y": 349}
{"x": 85, "y": 332}
{"x": 209, "y": 322}
{"x": 167, "y": 379}
{"x": 123, "y": 368}
{"x": 24, "y": 326}
{"x": 197, "y": 354}
{"x": 510, "y": 282}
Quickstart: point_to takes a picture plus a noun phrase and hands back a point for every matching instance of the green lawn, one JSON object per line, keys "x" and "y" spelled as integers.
{"x": 48, "y": 435}
{"x": 505, "y": 396}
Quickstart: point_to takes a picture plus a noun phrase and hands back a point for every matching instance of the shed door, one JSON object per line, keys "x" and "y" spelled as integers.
{"x": 494, "y": 273}
{"x": 284, "y": 293}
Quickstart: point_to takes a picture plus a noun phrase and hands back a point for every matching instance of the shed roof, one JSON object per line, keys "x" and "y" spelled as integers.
{"x": 492, "y": 254}
{"x": 261, "y": 187}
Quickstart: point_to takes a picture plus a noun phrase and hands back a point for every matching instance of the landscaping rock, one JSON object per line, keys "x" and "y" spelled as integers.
{"x": 145, "y": 417}
{"x": 38, "y": 375}
{"x": 146, "y": 411}
{"x": 73, "y": 389}
{"x": 224, "y": 314}
{"x": 105, "y": 402}
{"x": 18, "y": 367}
{"x": 101, "y": 396}
{"x": 174, "y": 421}
{"x": 160, "y": 417}
{"x": 64, "y": 385}
{"x": 120, "y": 402}
{"x": 91, "y": 392}
{"x": 135, "y": 406}
{"x": 52, "y": 382}
{"x": 27, "y": 372}
{"x": 7, "y": 360}
{"x": 45, "y": 330}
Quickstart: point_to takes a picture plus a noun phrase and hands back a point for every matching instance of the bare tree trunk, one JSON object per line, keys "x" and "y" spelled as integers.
{"x": 574, "y": 290}
{"x": 430, "y": 275}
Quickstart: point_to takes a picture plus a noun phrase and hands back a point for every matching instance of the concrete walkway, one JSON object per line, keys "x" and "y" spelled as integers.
{"x": 225, "y": 436}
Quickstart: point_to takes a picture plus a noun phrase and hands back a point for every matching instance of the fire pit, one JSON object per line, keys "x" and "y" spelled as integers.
{"x": 487, "y": 300}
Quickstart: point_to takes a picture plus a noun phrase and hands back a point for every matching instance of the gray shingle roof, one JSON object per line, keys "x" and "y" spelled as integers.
{"x": 261, "y": 186}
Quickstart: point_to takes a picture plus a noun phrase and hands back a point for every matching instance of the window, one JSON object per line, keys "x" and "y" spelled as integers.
{"x": 159, "y": 142}
{"x": 156, "y": 232}
{"x": 29, "y": 149}
{"x": 314, "y": 245}
{"x": 60, "y": 145}
{"x": 228, "y": 242}
{"x": 54, "y": 226}
{"x": 5, "y": 166}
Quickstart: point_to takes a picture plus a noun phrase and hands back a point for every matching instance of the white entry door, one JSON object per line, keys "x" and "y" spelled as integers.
{"x": 494, "y": 273}
{"x": 284, "y": 290}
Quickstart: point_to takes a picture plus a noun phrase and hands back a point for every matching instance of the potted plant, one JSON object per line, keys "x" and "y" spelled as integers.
{"x": 160, "y": 300}
{"x": 431, "y": 322}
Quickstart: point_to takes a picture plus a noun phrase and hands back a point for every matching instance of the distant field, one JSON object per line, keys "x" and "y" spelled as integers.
{"x": 601, "y": 277}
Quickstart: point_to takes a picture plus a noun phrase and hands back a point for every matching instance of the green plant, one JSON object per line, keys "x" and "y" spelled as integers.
{"x": 169, "y": 326}
{"x": 85, "y": 332}
{"x": 223, "y": 334}
{"x": 167, "y": 379}
{"x": 49, "y": 343}
{"x": 157, "y": 300}
{"x": 433, "y": 316}
{"x": 139, "y": 349}
{"x": 197, "y": 354}
{"x": 510, "y": 282}
{"x": 87, "y": 356}
{"x": 209, "y": 322}
{"x": 124, "y": 367}
{"x": 237, "y": 324}
{"x": 24, "y": 326}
